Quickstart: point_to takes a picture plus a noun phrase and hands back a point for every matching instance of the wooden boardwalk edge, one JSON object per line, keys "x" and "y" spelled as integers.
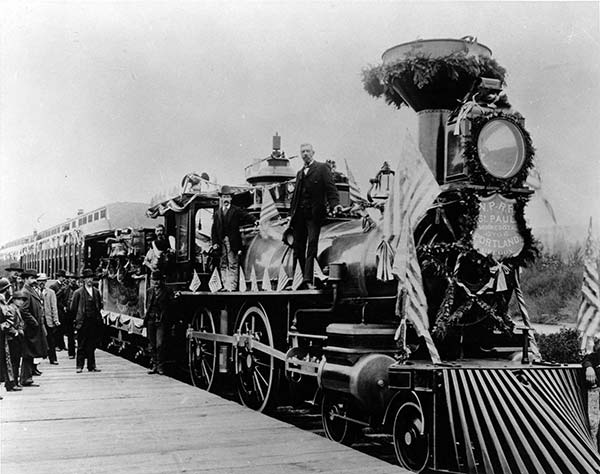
{"x": 123, "y": 420}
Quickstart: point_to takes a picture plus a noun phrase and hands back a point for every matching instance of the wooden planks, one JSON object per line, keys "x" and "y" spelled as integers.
{"x": 123, "y": 420}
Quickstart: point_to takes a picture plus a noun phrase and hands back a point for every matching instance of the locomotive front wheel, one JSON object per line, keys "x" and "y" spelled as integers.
{"x": 334, "y": 408}
{"x": 411, "y": 443}
{"x": 257, "y": 376}
{"x": 202, "y": 355}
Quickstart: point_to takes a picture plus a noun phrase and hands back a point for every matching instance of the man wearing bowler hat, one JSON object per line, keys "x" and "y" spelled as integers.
{"x": 314, "y": 189}
{"x": 34, "y": 341}
{"x": 86, "y": 306}
{"x": 226, "y": 237}
{"x": 64, "y": 293}
{"x": 157, "y": 319}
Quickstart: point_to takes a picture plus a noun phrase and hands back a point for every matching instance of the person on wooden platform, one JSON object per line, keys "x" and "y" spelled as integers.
{"x": 86, "y": 306}
{"x": 226, "y": 236}
{"x": 16, "y": 343}
{"x": 64, "y": 295}
{"x": 35, "y": 344}
{"x": 314, "y": 190}
{"x": 157, "y": 320}
{"x": 11, "y": 333}
{"x": 50, "y": 316}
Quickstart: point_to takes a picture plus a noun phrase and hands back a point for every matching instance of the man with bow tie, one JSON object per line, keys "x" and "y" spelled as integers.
{"x": 314, "y": 190}
{"x": 226, "y": 237}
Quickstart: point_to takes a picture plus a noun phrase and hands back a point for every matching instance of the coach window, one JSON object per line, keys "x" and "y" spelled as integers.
{"x": 182, "y": 236}
{"x": 202, "y": 243}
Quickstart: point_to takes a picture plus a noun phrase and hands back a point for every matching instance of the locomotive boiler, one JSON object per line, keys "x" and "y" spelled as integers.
{"x": 461, "y": 390}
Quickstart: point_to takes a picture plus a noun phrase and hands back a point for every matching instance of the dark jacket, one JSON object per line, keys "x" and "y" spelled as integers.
{"x": 64, "y": 294}
{"x": 228, "y": 225}
{"x": 315, "y": 189}
{"x": 32, "y": 312}
{"x": 160, "y": 305}
{"x": 84, "y": 319}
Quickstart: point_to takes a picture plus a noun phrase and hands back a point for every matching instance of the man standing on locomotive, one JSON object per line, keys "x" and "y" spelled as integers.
{"x": 157, "y": 320}
{"x": 226, "y": 237}
{"x": 315, "y": 188}
{"x": 160, "y": 250}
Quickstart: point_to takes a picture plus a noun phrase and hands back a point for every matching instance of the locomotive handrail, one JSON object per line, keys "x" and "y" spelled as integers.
{"x": 253, "y": 293}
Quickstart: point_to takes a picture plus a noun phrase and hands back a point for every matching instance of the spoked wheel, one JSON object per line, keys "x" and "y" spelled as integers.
{"x": 257, "y": 376}
{"x": 411, "y": 442}
{"x": 334, "y": 407}
{"x": 202, "y": 355}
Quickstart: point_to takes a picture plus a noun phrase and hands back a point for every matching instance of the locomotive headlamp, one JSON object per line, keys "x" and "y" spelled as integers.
{"x": 501, "y": 148}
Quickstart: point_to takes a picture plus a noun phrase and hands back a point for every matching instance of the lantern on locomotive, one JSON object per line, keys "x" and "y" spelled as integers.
{"x": 483, "y": 412}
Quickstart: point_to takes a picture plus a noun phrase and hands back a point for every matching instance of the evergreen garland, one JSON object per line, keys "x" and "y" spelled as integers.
{"x": 422, "y": 70}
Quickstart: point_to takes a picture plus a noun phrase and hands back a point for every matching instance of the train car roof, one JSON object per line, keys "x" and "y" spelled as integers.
{"x": 182, "y": 202}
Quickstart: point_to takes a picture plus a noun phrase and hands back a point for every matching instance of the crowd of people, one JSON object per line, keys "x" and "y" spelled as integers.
{"x": 37, "y": 318}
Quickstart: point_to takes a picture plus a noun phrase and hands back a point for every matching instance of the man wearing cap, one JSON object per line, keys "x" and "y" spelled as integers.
{"x": 226, "y": 237}
{"x": 11, "y": 328}
{"x": 157, "y": 320}
{"x": 314, "y": 189}
{"x": 34, "y": 341}
{"x": 14, "y": 276}
{"x": 64, "y": 293}
{"x": 50, "y": 316}
{"x": 86, "y": 306}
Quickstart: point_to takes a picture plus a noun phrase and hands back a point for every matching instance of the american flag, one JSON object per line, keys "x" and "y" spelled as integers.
{"x": 253, "y": 280}
{"x": 266, "y": 281}
{"x": 356, "y": 196}
{"x": 588, "y": 317}
{"x": 215, "y": 283}
{"x": 242, "y": 287}
{"x": 413, "y": 191}
{"x": 298, "y": 277}
{"x": 318, "y": 273}
{"x": 195, "y": 284}
{"x": 282, "y": 279}
{"x": 268, "y": 212}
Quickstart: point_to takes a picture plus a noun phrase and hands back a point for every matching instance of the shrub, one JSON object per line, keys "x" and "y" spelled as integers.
{"x": 563, "y": 346}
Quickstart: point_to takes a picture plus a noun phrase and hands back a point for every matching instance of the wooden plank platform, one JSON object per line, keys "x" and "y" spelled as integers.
{"x": 124, "y": 420}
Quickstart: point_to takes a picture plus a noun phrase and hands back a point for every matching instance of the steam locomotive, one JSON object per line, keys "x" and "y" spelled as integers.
{"x": 477, "y": 409}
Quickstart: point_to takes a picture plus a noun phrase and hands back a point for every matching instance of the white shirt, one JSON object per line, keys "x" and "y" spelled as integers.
{"x": 89, "y": 290}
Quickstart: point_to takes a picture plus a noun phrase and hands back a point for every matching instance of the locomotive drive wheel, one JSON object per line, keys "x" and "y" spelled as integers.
{"x": 202, "y": 355}
{"x": 410, "y": 442}
{"x": 333, "y": 407}
{"x": 257, "y": 376}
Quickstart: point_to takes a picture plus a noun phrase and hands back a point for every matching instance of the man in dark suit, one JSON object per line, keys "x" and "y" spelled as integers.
{"x": 226, "y": 237}
{"x": 86, "y": 305}
{"x": 34, "y": 342}
{"x": 314, "y": 190}
{"x": 157, "y": 319}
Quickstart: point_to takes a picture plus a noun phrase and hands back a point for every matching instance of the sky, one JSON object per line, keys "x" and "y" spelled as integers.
{"x": 116, "y": 101}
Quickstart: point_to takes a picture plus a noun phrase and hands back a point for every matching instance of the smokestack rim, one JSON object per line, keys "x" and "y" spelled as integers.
{"x": 446, "y": 46}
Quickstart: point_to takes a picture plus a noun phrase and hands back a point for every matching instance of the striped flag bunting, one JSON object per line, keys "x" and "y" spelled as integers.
{"x": 195, "y": 284}
{"x": 266, "y": 281}
{"x": 215, "y": 284}
{"x": 268, "y": 212}
{"x": 282, "y": 279}
{"x": 318, "y": 273}
{"x": 253, "y": 280}
{"x": 588, "y": 316}
{"x": 356, "y": 196}
{"x": 413, "y": 191}
{"x": 242, "y": 286}
{"x": 298, "y": 277}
